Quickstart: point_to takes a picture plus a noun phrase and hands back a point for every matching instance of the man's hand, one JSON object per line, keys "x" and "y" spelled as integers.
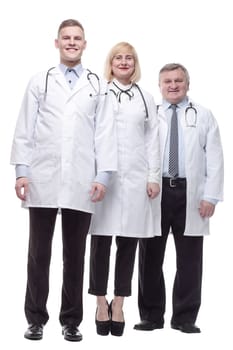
{"x": 21, "y": 188}
{"x": 97, "y": 192}
{"x": 153, "y": 189}
{"x": 206, "y": 209}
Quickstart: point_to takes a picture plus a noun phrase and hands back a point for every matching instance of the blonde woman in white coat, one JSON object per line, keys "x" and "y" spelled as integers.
{"x": 189, "y": 197}
{"x": 63, "y": 148}
{"x": 128, "y": 211}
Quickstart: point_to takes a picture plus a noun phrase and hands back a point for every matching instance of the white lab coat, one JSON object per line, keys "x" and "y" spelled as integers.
{"x": 203, "y": 163}
{"x": 127, "y": 210}
{"x": 64, "y": 138}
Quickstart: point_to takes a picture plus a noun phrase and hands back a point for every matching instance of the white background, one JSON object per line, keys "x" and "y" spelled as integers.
{"x": 195, "y": 33}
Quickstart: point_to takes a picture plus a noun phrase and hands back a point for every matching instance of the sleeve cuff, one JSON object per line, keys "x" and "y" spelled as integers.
{"x": 21, "y": 170}
{"x": 103, "y": 177}
{"x": 211, "y": 200}
{"x": 153, "y": 176}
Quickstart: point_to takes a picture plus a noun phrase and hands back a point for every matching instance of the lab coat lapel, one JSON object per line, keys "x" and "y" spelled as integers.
{"x": 81, "y": 82}
{"x": 60, "y": 78}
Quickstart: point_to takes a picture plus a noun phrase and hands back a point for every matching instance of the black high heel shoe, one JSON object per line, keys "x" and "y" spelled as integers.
{"x": 117, "y": 328}
{"x": 102, "y": 327}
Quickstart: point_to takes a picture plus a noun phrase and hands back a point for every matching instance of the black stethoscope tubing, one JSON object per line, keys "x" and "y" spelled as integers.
{"x": 130, "y": 95}
{"x": 188, "y": 108}
{"x": 98, "y": 91}
{"x": 88, "y": 78}
{"x": 47, "y": 81}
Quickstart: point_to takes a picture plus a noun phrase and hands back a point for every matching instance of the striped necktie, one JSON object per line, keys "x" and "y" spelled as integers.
{"x": 173, "y": 168}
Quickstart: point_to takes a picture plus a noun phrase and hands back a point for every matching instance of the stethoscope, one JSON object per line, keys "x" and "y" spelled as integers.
{"x": 90, "y": 80}
{"x": 97, "y": 79}
{"x": 130, "y": 94}
{"x": 190, "y": 116}
{"x": 46, "y": 82}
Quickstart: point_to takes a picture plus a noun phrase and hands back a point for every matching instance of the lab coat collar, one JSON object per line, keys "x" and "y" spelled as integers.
{"x": 60, "y": 77}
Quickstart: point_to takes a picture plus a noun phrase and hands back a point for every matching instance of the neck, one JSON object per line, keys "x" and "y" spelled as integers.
{"x": 71, "y": 64}
{"x": 124, "y": 81}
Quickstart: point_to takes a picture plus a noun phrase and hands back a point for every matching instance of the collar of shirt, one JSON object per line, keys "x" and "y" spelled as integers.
{"x": 121, "y": 86}
{"x": 166, "y": 104}
{"x": 77, "y": 69}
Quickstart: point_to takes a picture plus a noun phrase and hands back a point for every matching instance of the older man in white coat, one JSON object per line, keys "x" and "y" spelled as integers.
{"x": 64, "y": 148}
{"x": 192, "y": 185}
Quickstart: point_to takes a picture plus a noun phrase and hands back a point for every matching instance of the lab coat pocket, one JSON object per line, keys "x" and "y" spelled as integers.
{"x": 43, "y": 165}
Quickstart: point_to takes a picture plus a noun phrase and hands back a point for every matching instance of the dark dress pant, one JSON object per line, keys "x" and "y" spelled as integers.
{"x": 188, "y": 278}
{"x": 100, "y": 262}
{"x": 75, "y": 225}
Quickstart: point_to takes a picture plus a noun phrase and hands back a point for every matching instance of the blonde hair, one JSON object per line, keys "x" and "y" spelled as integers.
{"x": 115, "y": 50}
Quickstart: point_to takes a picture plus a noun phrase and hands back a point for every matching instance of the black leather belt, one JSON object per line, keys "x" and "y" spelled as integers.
{"x": 174, "y": 181}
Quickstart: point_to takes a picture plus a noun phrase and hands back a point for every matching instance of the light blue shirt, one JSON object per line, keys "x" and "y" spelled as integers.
{"x": 71, "y": 74}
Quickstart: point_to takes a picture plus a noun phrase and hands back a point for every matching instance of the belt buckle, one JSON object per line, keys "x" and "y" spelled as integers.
{"x": 172, "y": 182}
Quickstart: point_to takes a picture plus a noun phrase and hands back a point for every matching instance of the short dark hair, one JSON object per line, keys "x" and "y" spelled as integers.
{"x": 70, "y": 23}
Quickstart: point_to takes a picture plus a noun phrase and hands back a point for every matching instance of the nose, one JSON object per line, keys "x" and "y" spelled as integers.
{"x": 123, "y": 61}
{"x": 72, "y": 41}
{"x": 173, "y": 83}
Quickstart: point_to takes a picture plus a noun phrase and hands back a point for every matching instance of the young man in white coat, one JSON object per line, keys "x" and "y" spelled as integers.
{"x": 64, "y": 149}
{"x": 192, "y": 185}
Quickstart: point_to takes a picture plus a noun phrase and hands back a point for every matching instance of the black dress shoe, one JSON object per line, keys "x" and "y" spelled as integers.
{"x": 102, "y": 327}
{"x": 71, "y": 333}
{"x": 148, "y": 326}
{"x": 186, "y": 327}
{"x": 34, "y": 332}
{"x": 117, "y": 328}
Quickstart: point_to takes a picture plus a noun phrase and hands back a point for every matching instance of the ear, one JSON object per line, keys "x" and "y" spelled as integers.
{"x": 56, "y": 43}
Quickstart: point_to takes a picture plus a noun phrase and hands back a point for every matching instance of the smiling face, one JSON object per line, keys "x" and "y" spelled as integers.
{"x": 123, "y": 66}
{"x": 173, "y": 85}
{"x": 71, "y": 44}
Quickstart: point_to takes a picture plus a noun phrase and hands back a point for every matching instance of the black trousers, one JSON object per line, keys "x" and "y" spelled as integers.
{"x": 75, "y": 225}
{"x": 100, "y": 261}
{"x": 189, "y": 250}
